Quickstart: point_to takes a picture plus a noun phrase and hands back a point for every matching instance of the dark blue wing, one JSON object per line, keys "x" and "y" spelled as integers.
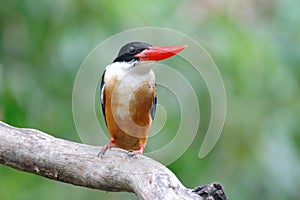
{"x": 102, "y": 95}
{"x": 153, "y": 107}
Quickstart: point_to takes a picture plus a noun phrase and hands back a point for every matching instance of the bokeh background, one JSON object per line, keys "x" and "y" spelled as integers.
{"x": 255, "y": 44}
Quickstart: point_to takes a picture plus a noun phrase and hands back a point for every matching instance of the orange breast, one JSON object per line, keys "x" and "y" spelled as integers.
{"x": 128, "y": 115}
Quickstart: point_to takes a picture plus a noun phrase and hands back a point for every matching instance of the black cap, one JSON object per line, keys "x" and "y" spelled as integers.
{"x": 127, "y": 52}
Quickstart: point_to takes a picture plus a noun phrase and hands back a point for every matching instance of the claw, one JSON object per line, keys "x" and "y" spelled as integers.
{"x": 106, "y": 147}
{"x": 132, "y": 153}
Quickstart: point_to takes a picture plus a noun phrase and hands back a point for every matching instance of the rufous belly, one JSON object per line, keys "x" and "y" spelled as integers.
{"x": 128, "y": 114}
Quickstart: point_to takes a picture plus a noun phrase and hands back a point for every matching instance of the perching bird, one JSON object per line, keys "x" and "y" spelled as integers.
{"x": 128, "y": 95}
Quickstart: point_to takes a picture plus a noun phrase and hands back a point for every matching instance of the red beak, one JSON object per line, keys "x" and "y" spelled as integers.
{"x": 159, "y": 53}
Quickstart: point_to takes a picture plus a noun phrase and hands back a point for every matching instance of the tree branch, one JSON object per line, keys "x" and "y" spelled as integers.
{"x": 39, "y": 153}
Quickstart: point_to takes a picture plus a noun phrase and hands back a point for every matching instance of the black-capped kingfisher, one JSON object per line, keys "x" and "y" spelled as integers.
{"x": 128, "y": 95}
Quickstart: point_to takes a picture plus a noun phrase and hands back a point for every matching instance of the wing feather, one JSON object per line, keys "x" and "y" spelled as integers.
{"x": 102, "y": 96}
{"x": 153, "y": 107}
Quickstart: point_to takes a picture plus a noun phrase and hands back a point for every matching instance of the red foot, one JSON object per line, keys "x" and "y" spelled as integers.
{"x": 106, "y": 147}
{"x": 135, "y": 152}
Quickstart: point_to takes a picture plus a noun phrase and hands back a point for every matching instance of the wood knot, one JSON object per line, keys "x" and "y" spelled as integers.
{"x": 211, "y": 191}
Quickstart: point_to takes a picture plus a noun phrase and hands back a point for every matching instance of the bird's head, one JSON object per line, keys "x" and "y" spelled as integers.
{"x": 141, "y": 51}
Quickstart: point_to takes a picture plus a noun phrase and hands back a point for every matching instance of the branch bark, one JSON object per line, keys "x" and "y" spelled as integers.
{"x": 39, "y": 153}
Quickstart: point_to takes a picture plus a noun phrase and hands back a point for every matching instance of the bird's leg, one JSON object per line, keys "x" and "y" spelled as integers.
{"x": 106, "y": 147}
{"x": 132, "y": 153}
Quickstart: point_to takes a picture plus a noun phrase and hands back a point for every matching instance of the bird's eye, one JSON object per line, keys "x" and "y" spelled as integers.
{"x": 132, "y": 50}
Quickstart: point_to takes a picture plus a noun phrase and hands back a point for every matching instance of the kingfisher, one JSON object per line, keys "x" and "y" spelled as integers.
{"x": 128, "y": 95}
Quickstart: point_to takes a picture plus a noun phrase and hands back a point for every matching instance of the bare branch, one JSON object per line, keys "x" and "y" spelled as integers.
{"x": 39, "y": 153}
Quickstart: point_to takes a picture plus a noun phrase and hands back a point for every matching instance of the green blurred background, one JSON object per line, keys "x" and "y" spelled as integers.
{"x": 255, "y": 44}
